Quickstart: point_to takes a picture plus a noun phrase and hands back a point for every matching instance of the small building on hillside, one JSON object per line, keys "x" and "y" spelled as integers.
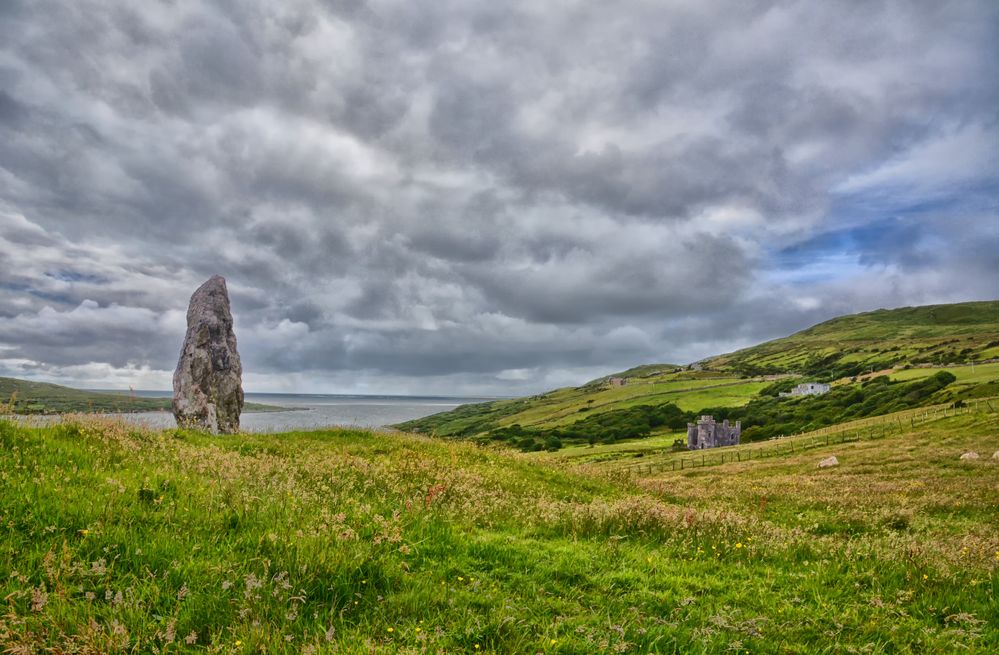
{"x": 616, "y": 382}
{"x": 706, "y": 433}
{"x": 808, "y": 389}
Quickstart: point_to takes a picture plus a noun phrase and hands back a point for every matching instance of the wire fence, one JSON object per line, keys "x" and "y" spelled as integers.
{"x": 868, "y": 429}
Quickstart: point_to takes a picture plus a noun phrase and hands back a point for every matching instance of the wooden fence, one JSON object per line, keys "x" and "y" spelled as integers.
{"x": 875, "y": 427}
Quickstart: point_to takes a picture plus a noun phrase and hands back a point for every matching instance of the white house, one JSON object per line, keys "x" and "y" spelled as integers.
{"x": 808, "y": 389}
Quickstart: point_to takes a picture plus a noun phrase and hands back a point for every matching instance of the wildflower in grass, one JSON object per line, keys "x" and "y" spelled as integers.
{"x": 738, "y": 545}
{"x": 38, "y": 599}
{"x": 391, "y": 629}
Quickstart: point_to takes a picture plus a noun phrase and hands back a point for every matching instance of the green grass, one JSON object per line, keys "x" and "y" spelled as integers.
{"x": 966, "y": 374}
{"x": 845, "y": 346}
{"x": 117, "y": 539}
{"x": 835, "y": 350}
{"x": 44, "y": 398}
{"x": 563, "y": 407}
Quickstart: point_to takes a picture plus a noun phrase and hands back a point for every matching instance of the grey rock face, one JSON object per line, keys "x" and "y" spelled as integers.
{"x": 208, "y": 385}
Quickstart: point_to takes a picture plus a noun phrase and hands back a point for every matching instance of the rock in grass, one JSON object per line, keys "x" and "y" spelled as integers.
{"x": 828, "y": 461}
{"x": 208, "y": 385}
{"x": 995, "y": 455}
{"x": 970, "y": 455}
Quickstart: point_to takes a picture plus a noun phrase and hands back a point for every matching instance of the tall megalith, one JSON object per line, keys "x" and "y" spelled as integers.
{"x": 208, "y": 384}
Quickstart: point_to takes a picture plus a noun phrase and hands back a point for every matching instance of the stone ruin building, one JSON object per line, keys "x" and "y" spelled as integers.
{"x": 706, "y": 433}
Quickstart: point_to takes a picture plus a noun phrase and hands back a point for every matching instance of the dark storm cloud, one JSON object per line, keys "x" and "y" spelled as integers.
{"x": 483, "y": 194}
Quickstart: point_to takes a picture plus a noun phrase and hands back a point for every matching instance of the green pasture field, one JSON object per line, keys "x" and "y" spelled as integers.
{"x": 966, "y": 374}
{"x": 563, "y": 407}
{"x": 941, "y": 334}
{"x": 686, "y": 394}
{"x": 116, "y": 539}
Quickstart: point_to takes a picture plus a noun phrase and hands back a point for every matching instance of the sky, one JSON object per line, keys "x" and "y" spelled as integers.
{"x": 482, "y": 197}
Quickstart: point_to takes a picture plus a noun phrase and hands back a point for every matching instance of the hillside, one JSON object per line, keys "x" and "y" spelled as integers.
{"x": 931, "y": 335}
{"x": 657, "y": 399}
{"x": 565, "y": 408}
{"x": 357, "y": 542}
{"x": 44, "y": 398}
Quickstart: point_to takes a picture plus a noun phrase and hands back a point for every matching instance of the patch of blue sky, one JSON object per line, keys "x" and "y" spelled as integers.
{"x": 64, "y": 298}
{"x": 68, "y": 275}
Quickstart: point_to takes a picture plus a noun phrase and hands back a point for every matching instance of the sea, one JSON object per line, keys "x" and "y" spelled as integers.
{"x": 312, "y": 411}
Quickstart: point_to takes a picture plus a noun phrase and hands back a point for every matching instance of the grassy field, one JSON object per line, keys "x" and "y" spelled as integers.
{"x": 932, "y": 334}
{"x": 26, "y": 397}
{"x": 688, "y": 390}
{"x": 115, "y": 539}
{"x": 844, "y": 351}
{"x": 966, "y": 374}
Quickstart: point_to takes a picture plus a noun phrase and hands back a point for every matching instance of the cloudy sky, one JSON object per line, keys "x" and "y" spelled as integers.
{"x": 478, "y": 196}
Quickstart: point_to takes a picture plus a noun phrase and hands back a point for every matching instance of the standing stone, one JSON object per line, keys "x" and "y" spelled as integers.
{"x": 207, "y": 385}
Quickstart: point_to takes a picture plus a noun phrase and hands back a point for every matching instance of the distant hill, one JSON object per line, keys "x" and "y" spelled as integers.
{"x": 937, "y": 335}
{"x": 44, "y": 398}
{"x": 657, "y": 399}
{"x": 643, "y": 371}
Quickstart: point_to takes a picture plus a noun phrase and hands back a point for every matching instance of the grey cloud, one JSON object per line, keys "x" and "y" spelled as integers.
{"x": 447, "y": 192}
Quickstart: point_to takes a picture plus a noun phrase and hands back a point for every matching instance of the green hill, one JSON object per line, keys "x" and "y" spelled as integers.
{"x": 117, "y": 539}
{"x": 657, "y": 399}
{"x": 939, "y": 335}
{"x": 26, "y": 397}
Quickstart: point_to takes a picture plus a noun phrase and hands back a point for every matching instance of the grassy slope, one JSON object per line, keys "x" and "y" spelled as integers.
{"x": 930, "y": 334}
{"x": 688, "y": 390}
{"x": 374, "y": 543}
{"x": 940, "y": 334}
{"x": 45, "y": 398}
